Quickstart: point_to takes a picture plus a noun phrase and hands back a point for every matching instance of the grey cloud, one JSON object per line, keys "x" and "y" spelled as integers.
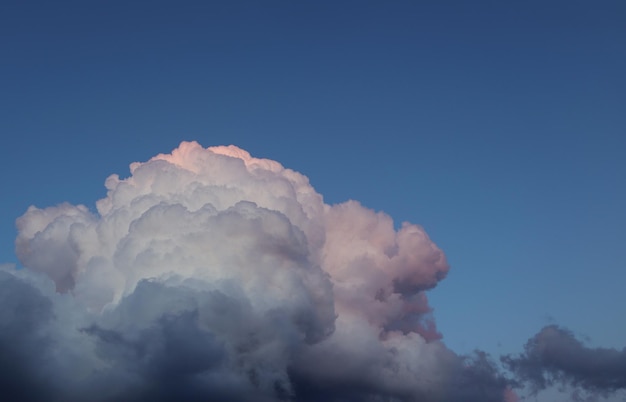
{"x": 555, "y": 357}
{"x": 24, "y": 313}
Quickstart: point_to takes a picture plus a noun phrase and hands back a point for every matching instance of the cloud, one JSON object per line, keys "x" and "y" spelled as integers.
{"x": 555, "y": 357}
{"x": 211, "y": 274}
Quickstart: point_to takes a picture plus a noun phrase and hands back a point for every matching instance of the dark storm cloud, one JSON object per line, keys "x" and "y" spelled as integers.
{"x": 24, "y": 313}
{"x": 473, "y": 378}
{"x": 201, "y": 345}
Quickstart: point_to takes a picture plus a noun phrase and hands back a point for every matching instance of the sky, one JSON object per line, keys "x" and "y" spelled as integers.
{"x": 498, "y": 127}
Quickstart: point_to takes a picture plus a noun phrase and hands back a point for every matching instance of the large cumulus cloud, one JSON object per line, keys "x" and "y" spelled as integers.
{"x": 208, "y": 273}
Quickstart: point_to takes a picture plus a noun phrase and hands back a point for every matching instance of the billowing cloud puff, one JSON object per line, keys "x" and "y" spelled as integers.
{"x": 211, "y": 274}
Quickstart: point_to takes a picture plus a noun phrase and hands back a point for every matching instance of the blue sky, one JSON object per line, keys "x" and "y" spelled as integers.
{"x": 498, "y": 126}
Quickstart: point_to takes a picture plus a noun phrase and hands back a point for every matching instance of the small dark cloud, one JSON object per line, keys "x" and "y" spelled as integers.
{"x": 555, "y": 357}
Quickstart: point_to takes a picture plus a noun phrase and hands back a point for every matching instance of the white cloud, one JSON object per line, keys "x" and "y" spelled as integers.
{"x": 210, "y": 272}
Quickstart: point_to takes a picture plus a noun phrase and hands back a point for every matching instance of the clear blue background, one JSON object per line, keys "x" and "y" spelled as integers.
{"x": 498, "y": 126}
